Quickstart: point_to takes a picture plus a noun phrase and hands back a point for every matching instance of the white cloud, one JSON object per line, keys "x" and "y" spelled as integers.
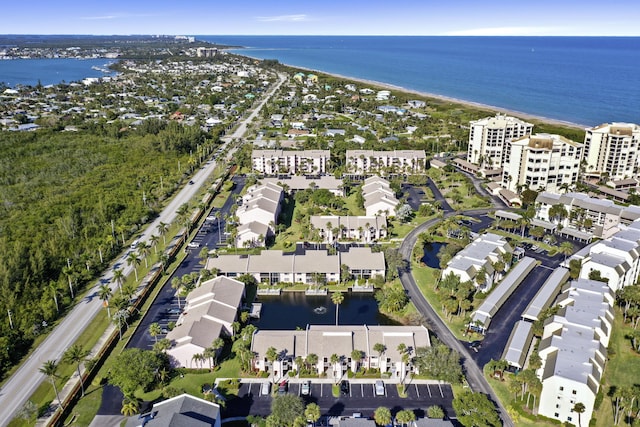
{"x": 96, "y": 18}
{"x": 507, "y": 31}
{"x": 283, "y": 18}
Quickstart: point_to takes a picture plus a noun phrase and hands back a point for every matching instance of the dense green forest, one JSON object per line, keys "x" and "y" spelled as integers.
{"x": 68, "y": 200}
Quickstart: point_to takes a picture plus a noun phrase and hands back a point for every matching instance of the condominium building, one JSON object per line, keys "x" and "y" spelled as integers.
{"x": 616, "y": 259}
{"x": 379, "y": 198}
{"x": 310, "y": 267}
{"x": 305, "y": 162}
{"x": 365, "y": 162}
{"x": 541, "y": 161}
{"x": 612, "y": 150}
{"x": 487, "y": 138}
{"x": 325, "y": 341}
{"x": 573, "y": 350}
{"x": 598, "y": 217}
{"x": 258, "y": 214}
{"x": 480, "y": 254}
{"x": 212, "y": 308}
{"x": 359, "y": 228}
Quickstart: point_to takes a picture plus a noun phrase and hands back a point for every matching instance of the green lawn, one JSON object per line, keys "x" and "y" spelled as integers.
{"x": 622, "y": 362}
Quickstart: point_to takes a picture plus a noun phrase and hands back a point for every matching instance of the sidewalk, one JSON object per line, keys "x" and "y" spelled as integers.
{"x": 74, "y": 380}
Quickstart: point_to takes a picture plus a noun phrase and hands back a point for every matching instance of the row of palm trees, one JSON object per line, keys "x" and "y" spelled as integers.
{"x": 74, "y": 355}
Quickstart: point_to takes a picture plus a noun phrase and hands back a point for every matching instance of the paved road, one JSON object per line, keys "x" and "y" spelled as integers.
{"x": 473, "y": 373}
{"x": 27, "y": 378}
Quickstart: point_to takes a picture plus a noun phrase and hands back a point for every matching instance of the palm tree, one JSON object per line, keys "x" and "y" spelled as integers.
{"x": 143, "y": 250}
{"x": 334, "y": 360}
{"x": 130, "y": 406}
{"x": 566, "y": 248}
{"x": 216, "y": 345}
{"x": 579, "y": 409}
{"x": 382, "y": 416}
{"x": 312, "y": 412}
{"x": 134, "y": 259}
{"x": 405, "y": 416}
{"x": 380, "y": 349}
{"x": 50, "y": 369}
{"x": 104, "y": 293}
{"x": 312, "y": 360}
{"x": 272, "y": 356}
{"x": 154, "y": 242}
{"x": 155, "y": 330}
{"x": 162, "y": 229}
{"x": 337, "y": 298}
{"x": 76, "y": 354}
{"x": 55, "y": 291}
{"x": 118, "y": 277}
{"x": 176, "y": 283}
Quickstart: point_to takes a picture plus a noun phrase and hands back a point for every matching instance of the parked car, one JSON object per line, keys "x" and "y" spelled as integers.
{"x": 305, "y": 389}
{"x": 344, "y": 387}
{"x": 265, "y": 388}
{"x": 282, "y": 388}
{"x": 379, "y": 388}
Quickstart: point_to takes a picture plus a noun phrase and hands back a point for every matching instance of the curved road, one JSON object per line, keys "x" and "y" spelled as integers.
{"x": 27, "y": 378}
{"x": 473, "y": 373}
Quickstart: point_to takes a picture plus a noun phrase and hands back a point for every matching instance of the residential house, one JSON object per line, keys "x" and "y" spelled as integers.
{"x": 379, "y": 198}
{"x": 258, "y": 214}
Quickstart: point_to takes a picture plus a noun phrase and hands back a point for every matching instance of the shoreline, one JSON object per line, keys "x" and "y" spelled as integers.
{"x": 479, "y": 105}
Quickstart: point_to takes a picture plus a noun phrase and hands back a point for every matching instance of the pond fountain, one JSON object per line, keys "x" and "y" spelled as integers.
{"x": 293, "y": 310}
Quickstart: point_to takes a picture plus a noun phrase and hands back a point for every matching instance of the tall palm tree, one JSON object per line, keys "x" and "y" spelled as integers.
{"x": 154, "y": 242}
{"x": 334, "y": 360}
{"x": 104, "y": 293}
{"x": 50, "y": 369}
{"x": 54, "y": 291}
{"x": 162, "y": 229}
{"x": 143, "y": 250}
{"x": 337, "y": 298}
{"x": 134, "y": 259}
{"x": 76, "y": 354}
{"x": 176, "y": 283}
{"x": 217, "y": 345}
{"x": 272, "y": 356}
{"x": 118, "y": 277}
{"x": 155, "y": 330}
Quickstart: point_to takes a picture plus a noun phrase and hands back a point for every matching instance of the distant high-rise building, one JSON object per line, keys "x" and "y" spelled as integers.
{"x": 541, "y": 161}
{"x": 611, "y": 149}
{"x": 487, "y": 138}
{"x": 206, "y": 52}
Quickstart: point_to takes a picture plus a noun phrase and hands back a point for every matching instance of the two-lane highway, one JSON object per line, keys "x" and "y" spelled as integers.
{"x": 27, "y": 378}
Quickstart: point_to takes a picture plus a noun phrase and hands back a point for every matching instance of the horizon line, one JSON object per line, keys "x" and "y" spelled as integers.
{"x": 319, "y": 35}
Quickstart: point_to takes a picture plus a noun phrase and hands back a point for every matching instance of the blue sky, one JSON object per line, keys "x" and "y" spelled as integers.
{"x": 324, "y": 17}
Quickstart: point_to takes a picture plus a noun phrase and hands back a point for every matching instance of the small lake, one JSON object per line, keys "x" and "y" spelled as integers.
{"x": 295, "y": 309}
{"x": 430, "y": 257}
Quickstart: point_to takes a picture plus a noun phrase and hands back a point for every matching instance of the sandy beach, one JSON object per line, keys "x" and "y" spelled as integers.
{"x": 490, "y": 108}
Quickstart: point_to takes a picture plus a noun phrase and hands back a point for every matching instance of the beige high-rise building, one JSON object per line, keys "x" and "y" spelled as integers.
{"x": 541, "y": 161}
{"x": 612, "y": 149}
{"x": 487, "y": 138}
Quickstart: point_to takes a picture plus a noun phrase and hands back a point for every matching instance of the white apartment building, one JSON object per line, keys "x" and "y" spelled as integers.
{"x": 363, "y": 162}
{"x": 612, "y": 149}
{"x": 600, "y": 217}
{"x": 209, "y": 312}
{"x": 303, "y": 162}
{"x": 573, "y": 350}
{"x": 487, "y": 138}
{"x": 324, "y": 341}
{"x": 363, "y": 229}
{"x": 258, "y": 214}
{"x": 485, "y": 250}
{"x": 311, "y": 267}
{"x": 541, "y": 161}
{"x": 379, "y": 198}
{"x": 617, "y": 258}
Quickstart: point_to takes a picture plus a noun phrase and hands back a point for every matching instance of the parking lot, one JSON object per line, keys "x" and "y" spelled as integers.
{"x": 361, "y": 398}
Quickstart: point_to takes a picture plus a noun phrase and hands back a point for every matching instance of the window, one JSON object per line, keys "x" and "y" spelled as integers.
{"x": 556, "y": 415}
{"x": 561, "y": 388}
{"x": 574, "y": 392}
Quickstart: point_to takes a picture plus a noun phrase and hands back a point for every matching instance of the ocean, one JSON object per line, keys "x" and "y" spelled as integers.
{"x": 583, "y": 80}
{"x": 50, "y": 71}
